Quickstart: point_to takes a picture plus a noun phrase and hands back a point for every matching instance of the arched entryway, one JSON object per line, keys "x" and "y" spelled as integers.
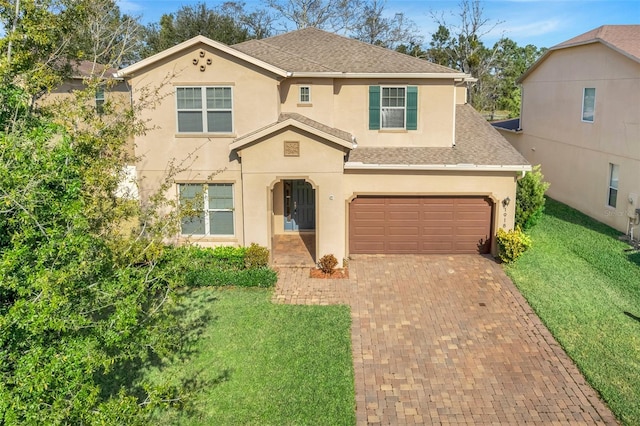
{"x": 294, "y": 222}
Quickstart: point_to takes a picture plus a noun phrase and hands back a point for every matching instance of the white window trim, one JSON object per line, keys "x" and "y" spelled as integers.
{"x": 584, "y": 95}
{"x": 610, "y": 186}
{"x": 207, "y": 211}
{"x": 404, "y": 108}
{"x": 204, "y": 110}
{"x": 304, "y": 86}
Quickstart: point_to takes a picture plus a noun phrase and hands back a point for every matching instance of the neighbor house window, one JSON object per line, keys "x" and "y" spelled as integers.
{"x": 305, "y": 94}
{"x": 204, "y": 109}
{"x": 393, "y": 107}
{"x": 588, "y": 104}
{"x": 612, "y": 198}
{"x": 100, "y": 100}
{"x": 208, "y": 208}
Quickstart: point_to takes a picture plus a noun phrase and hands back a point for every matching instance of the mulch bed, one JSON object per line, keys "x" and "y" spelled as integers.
{"x": 336, "y": 274}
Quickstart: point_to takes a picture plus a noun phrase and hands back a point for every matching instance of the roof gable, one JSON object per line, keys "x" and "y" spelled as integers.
{"x": 331, "y": 134}
{"x": 624, "y": 39}
{"x": 188, "y": 45}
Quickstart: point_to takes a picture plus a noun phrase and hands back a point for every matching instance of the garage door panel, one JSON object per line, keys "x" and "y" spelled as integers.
{"x": 433, "y": 231}
{"x": 403, "y": 215}
{"x": 420, "y": 225}
{"x": 399, "y": 247}
{"x": 394, "y": 231}
{"x": 367, "y": 231}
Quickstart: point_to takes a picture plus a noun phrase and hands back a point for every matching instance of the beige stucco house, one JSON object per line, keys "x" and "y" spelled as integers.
{"x": 360, "y": 148}
{"x": 580, "y": 120}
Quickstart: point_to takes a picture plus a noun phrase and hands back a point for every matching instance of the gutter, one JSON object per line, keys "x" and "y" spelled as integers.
{"x": 334, "y": 74}
{"x": 352, "y": 165}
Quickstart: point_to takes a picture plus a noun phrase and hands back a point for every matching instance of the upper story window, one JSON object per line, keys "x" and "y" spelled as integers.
{"x": 305, "y": 94}
{"x": 205, "y": 109}
{"x": 612, "y": 198}
{"x": 588, "y": 104}
{"x": 393, "y": 107}
{"x": 208, "y": 208}
{"x": 100, "y": 100}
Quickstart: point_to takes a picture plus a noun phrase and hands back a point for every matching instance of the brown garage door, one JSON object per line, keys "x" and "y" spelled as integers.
{"x": 396, "y": 225}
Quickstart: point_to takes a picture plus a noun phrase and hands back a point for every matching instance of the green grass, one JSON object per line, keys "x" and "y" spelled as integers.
{"x": 586, "y": 289}
{"x": 254, "y": 362}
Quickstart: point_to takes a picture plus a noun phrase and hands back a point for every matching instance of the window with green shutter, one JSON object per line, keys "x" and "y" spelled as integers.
{"x": 393, "y": 107}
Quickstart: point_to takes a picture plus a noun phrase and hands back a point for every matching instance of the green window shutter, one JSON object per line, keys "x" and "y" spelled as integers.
{"x": 374, "y": 107}
{"x": 412, "y": 108}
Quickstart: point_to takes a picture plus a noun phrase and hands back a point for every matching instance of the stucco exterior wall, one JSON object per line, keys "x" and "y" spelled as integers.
{"x": 575, "y": 155}
{"x": 344, "y": 104}
{"x": 205, "y": 154}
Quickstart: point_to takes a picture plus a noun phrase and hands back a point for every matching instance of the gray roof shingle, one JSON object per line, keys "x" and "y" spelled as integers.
{"x": 477, "y": 143}
{"x": 314, "y": 50}
{"x": 625, "y": 38}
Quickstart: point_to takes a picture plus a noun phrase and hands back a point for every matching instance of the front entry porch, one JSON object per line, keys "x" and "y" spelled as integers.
{"x": 293, "y": 249}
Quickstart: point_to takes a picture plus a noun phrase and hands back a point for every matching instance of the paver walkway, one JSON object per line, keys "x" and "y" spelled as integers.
{"x": 448, "y": 340}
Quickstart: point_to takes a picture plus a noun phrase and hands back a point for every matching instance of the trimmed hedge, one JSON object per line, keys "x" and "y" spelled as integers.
{"x": 217, "y": 277}
{"x": 225, "y": 266}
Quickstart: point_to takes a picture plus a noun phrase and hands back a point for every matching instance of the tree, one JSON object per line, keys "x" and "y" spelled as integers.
{"x": 464, "y": 50}
{"x": 397, "y": 32}
{"x": 45, "y": 38}
{"x": 228, "y": 24}
{"x": 332, "y": 15}
{"x": 83, "y": 303}
{"x": 511, "y": 62}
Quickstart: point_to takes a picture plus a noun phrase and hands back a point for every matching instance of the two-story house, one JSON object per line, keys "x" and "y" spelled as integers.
{"x": 356, "y": 147}
{"x": 580, "y": 120}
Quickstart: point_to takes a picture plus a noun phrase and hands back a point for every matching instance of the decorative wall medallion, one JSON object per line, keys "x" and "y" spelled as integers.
{"x": 202, "y": 65}
{"x": 291, "y": 149}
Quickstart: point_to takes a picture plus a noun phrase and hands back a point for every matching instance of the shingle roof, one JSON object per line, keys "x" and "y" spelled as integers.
{"x": 624, "y": 38}
{"x": 338, "y": 136}
{"x": 84, "y": 69}
{"x": 314, "y": 50}
{"x": 477, "y": 144}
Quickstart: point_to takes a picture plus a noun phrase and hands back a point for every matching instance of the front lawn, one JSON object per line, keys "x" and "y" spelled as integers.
{"x": 254, "y": 362}
{"x": 586, "y": 290}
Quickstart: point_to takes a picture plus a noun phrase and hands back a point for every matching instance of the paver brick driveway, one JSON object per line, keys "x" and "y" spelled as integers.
{"x": 448, "y": 340}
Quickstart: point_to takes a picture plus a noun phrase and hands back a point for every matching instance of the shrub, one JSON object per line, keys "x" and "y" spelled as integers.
{"x": 511, "y": 244}
{"x": 256, "y": 256}
{"x": 217, "y": 277}
{"x": 230, "y": 256}
{"x": 327, "y": 263}
{"x": 530, "y": 198}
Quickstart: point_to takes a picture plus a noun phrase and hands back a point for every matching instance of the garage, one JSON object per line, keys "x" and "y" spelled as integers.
{"x": 420, "y": 225}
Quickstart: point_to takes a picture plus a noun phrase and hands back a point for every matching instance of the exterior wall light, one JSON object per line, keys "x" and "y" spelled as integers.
{"x": 506, "y": 202}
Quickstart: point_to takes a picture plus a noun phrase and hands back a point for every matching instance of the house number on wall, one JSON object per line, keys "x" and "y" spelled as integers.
{"x": 504, "y": 224}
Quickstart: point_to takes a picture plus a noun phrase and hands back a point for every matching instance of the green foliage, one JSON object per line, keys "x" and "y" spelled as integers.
{"x": 530, "y": 198}
{"x": 217, "y": 277}
{"x": 512, "y": 244}
{"x": 226, "y": 24}
{"x": 223, "y": 266}
{"x": 256, "y": 256}
{"x": 83, "y": 305}
{"x": 327, "y": 263}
